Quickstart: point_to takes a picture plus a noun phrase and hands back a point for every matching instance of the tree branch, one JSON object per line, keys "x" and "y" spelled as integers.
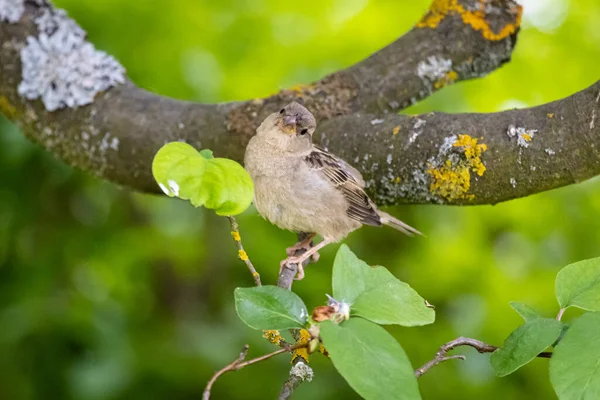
{"x": 422, "y": 159}
{"x": 442, "y": 353}
{"x": 300, "y": 372}
{"x": 117, "y": 135}
{"x": 239, "y": 363}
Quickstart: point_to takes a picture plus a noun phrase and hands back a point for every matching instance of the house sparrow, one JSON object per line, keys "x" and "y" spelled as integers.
{"x": 303, "y": 188}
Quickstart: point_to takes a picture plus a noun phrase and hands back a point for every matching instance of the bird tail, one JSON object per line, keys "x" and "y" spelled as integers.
{"x": 395, "y": 223}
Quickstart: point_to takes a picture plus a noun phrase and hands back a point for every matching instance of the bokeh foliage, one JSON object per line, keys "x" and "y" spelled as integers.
{"x": 109, "y": 294}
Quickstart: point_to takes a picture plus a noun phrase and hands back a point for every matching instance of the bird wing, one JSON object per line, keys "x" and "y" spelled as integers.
{"x": 348, "y": 181}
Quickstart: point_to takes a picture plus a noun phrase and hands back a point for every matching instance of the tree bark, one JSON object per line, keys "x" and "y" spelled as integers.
{"x": 421, "y": 159}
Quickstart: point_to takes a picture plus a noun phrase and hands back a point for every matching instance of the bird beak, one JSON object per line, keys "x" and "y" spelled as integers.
{"x": 289, "y": 121}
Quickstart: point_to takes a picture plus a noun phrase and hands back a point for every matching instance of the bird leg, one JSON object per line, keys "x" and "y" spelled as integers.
{"x": 304, "y": 244}
{"x": 299, "y": 260}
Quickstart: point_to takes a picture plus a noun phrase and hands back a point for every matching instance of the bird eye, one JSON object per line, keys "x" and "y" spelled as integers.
{"x": 282, "y": 111}
{"x": 304, "y": 131}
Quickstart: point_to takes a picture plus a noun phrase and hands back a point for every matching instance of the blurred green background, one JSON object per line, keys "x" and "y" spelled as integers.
{"x": 109, "y": 294}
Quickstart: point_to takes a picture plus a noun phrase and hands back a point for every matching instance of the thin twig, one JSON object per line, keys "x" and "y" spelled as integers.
{"x": 289, "y": 271}
{"x": 235, "y": 233}
{"x": 442, "y": 353}
{"x": 560, "y": 314}
{"x": 239, "y": 363}
{"x": 293, "y": 381}
{"x": 272, "y": 335}
{"x": 285, "y": 280}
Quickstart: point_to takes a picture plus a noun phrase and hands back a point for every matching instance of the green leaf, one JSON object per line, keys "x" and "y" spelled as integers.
{"x": 375, "y": 294}
{"x": 524, "y": 344}
{"x": 216, "y": 183}
{"x": 526, "y": 312}
{"x": 575, "y": 362}
{"x": 578, "y": 285}
{"x": 370, "y": 359}
{"x": 168, "y": 157}
{"x": 207, "y": 153}
{"x": 270, "y": 307}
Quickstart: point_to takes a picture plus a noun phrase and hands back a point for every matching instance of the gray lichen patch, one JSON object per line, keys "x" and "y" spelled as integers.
{"x": 434, "y": 68}
{"x": 302, "y": 371}
{"x": 61, "y": 68}
{"x": 524, "y": 136}
{"x": 417, "y": 129}
{"x": 11, "y": 10}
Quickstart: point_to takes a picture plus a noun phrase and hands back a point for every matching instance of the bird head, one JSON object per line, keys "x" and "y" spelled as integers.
{"x": 295, "y": 119}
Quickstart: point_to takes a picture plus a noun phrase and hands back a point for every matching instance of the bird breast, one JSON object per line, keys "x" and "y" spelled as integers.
{"x": 293, "y": 196}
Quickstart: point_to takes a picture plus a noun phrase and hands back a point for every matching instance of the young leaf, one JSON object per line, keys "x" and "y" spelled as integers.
{"x": 228, "y": 186}
{"x": 207, "y": 153}
{"x": 216, "y": 183}
{"x": 370, "y": 359}
{"x": 375, "y": 294}
{"x": 167, "y": 158}
{"x": 526, "y": 312}
{"x": 270, "y": 307}
{"x": 524, "y": 344}
{"x": 575, "y": 362}
{"x": 578, "y": 285}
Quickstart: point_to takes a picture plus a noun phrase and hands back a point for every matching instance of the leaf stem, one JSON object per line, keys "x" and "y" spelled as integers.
{"x": 560, "y": 314}
{"x": 235, "y": 234}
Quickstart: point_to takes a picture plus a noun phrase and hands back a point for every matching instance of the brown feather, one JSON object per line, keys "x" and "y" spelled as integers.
{"x": 348, "y": 181}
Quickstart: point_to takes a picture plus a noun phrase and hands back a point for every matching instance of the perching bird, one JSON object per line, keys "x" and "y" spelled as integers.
{"x": 303, "y": 188}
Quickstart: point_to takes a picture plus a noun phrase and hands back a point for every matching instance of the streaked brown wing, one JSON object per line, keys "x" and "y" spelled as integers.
{"x": 348, "y": 181}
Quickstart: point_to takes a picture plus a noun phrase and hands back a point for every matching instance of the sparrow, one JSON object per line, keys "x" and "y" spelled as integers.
{"x": 302, "y": 188}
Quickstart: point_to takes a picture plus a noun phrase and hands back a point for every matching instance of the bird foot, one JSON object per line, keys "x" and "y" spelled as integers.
{"x": 298, "y": 260}
{"x": 305, "y": 245}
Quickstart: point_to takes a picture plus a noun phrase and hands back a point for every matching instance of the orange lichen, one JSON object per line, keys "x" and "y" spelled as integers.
{"x": 273, "y": 336}
{"x": 452, "y": 181}
{"x": 242, "y": 255}
{"x": 303, "y": 338}
{"x": 473, "y": 152}
{"x": 550, "y": 115}
{"x": 396, "y": 130}
{"x": 449, "y": 78}
{"x": 323, "y": 351}
{"x": 442, "y": 8}
{"x": 236, "y": 236}
{"x": 526, "y": 137}
{"x": 437, "y": 12}
{"x": 300, "y": 89}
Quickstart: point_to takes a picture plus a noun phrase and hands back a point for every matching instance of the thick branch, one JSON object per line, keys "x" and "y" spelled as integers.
{"x": 424, "y": 159}
{"x": 117, "y": 135}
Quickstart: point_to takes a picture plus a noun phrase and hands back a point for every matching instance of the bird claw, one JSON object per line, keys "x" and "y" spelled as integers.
{"x": 307, "y": 246}
{"x": 291, "y": 251}
{"x": 303, "y": 245}
{"x": 293, "y": 260}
